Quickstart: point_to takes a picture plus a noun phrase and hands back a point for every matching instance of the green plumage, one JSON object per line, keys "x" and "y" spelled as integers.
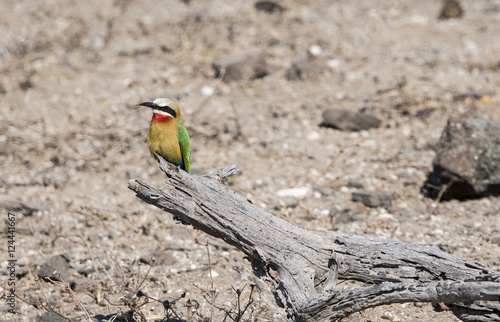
{"x": 185, "y": 144}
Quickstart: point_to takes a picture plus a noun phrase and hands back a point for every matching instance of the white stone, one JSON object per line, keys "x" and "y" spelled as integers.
{"x": 299, "y": 192}
{"x": 315, "y": 50}
{"x": 207, "y": 91}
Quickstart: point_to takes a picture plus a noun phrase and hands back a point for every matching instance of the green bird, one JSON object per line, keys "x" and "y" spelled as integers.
{"x": 167, "y": 135}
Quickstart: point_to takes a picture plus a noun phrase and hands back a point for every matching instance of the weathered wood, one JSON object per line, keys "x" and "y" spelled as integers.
{"x": 308, "y": 262}
{"x": 342, "y": 304}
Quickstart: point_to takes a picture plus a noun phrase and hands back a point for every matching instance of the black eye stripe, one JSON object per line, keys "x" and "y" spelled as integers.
{"x": 167, "y": 109}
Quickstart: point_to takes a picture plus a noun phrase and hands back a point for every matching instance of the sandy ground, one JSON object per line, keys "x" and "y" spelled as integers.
{"x": 72, "y": 136}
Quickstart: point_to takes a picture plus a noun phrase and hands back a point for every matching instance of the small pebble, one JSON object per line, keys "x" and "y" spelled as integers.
{"x": 344, "y": 189}
{"x": 313, "y": 136}
{"x": 315, "y": 50}
{"x": 207, "y": 91}
{"x": 385, "y": 217}
{"x": 298, "y": 193}
{"x": 388, "y": 316}
{"x": 333, "y": 63}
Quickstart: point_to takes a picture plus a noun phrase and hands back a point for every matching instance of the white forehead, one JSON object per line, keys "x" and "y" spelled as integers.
{"x": 162, "y": 102}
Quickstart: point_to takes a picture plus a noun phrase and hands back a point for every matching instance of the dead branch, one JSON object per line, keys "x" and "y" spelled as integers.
{"x": 308, "y": 262}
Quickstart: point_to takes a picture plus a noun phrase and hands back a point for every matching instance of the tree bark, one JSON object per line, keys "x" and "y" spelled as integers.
{"x": 308, "y": 262}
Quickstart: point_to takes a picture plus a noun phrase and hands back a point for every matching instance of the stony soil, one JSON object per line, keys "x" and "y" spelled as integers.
{"x": 72, "y": 136}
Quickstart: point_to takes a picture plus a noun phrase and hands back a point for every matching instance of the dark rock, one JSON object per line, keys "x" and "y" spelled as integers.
{"x": 50, "y": 317}
{"x": 467, "y": 162}
{"x": 136, "y": 48}
{"x": 373, "y": 198}
{"x": 55, "y": 268}
{"x": 451, "y": 9}
{"x": 347, "y": 215}
{"x": 163, "y": 255}
{"x": 425, "y": 113}
{"x": 243, "y": 65}
{"x": 355, "y": 182}
{"x": 287, "y": 202}
{"x": 27, "y": 84}
{"x": 324, "y": 192}
{"x": 291, "y": 202}
{"x": 269, "y": 6}
{"x": 303, "y": 69}
{"x": 346, "y": 120}
{"x": 89, "y": 270}
{"x": 464, "y": 96}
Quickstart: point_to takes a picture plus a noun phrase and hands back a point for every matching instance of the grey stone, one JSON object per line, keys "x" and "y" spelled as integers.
{"x": 50, "y": 317}
{"x": 55, "y": 268}
{"x": 25, "y": 85}
{"x": 467, "y": 162}
{"x": 291, "y": 202}
{"x": 355, "y": 181}
{"x": 247, "y": 64}
{"x": 269, "y": 6}
{"x": 373, "y": 198}
{"x": 346, "y": 120}
{"x": 89, "y": 270}
{"x": 347, "y": 215}
{"x": 324, "y": 192}
{"x": 136, "y": 48}
{"x": 288, "y": 202}
{"x": 303, "y": 69}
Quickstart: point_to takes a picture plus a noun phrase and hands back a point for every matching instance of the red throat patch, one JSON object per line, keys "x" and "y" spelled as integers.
{"x": 160, "y": 118}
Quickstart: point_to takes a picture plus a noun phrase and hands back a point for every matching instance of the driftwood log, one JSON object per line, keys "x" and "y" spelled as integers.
{"x": 299, "y": 268}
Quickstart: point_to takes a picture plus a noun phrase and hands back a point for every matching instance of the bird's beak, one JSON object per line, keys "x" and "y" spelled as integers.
{"x": 148, "y": 104}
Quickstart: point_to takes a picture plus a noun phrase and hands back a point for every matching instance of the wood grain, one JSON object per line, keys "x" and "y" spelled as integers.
{"x": 308, "y": 263}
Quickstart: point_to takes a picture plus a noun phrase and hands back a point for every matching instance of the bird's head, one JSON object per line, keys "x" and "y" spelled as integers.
{"x": 164, "y": 109}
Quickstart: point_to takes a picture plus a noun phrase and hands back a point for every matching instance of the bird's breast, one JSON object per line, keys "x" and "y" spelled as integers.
{"x": 162, "y": 139}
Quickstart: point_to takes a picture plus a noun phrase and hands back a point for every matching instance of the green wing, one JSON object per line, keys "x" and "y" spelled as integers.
{"x": 185, "y": 144}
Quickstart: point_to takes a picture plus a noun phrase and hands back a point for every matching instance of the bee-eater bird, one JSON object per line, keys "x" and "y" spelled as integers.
{"x": 167, "y": 135}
